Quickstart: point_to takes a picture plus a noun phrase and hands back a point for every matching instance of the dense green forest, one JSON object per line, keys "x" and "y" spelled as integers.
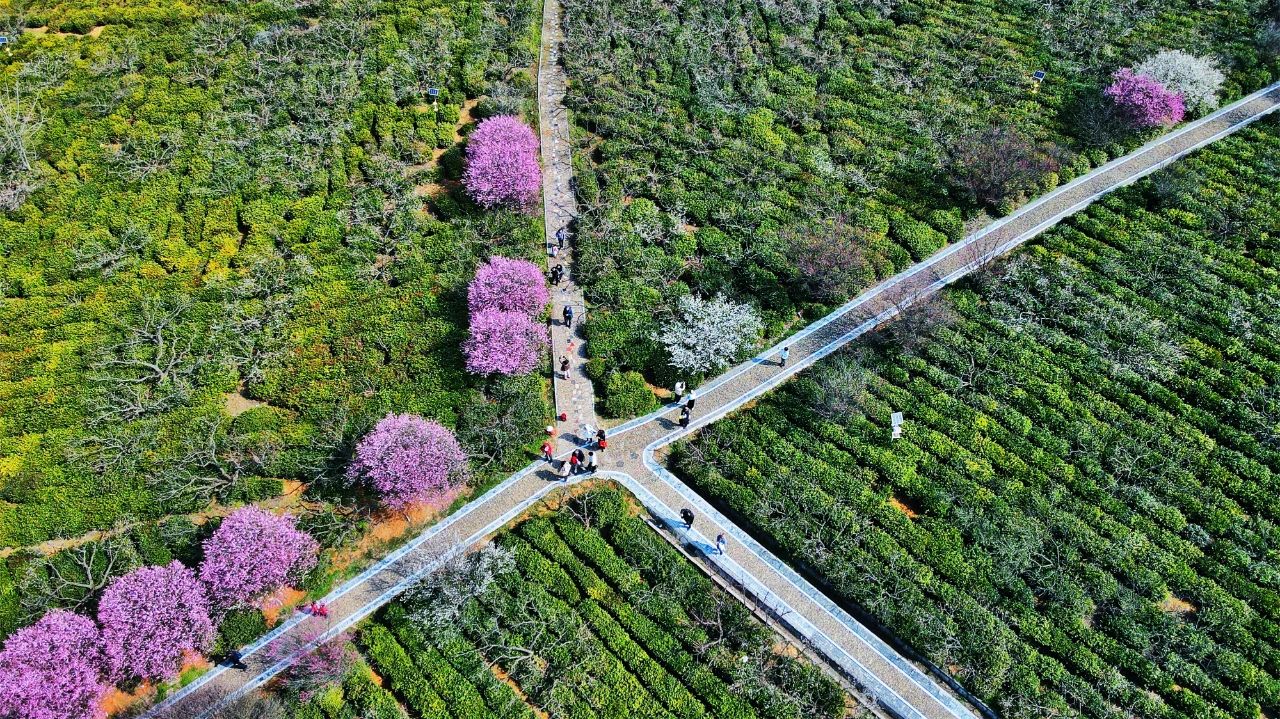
{"x": 1081, "y": 516}
{"x": 229, "y": 243}
{"x": 586, "y": 612}
{"x": 721, "y": 146}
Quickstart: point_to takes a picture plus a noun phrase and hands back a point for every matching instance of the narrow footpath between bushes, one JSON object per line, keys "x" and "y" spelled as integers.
{"x": 899, "y": 686}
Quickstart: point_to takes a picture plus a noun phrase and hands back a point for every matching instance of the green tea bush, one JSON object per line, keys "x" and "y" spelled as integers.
{"x": 626, "y": 394}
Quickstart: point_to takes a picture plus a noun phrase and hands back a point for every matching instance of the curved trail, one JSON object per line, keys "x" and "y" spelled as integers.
{"x": 900, "y": 687}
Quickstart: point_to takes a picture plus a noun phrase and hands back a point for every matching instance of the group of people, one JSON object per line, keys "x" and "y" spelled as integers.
{"x": 686, "y": 404}
{"x": 583, "y": 460}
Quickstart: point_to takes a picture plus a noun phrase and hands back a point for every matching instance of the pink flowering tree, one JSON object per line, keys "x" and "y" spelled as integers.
{"x": 53, "y": 669}
{"x": 503, "y": 343}
{"x": 1144, "y": 100}
{"x": 508, "y": 285}
{"x": 407, "y": 459}
{"x": 150, "y": 618}
{"x": 254, "y": 552}
{"x": 502, "y": 164}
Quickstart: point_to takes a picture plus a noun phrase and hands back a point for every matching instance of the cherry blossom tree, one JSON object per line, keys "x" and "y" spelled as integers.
{"x": 1144, "y": 100}
{"x": 503, "y": 343}
{"x": 406, "y": 459}
{"x": 150, "y": 618}
{"x": 502, "y": 164}
{"x": 707, "y": 335}
{"x": 253, "y": 553}
{"x": 1197, "y": 79}
{"x": 508, "y": 285}
{"x": 53, "y": 669}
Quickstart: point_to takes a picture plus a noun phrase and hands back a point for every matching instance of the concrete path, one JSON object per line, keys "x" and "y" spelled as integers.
{"x": 631, "y": 459}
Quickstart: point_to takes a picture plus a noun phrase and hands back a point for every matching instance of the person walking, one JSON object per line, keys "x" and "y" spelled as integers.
{"x": 574, "y": 460}
{"x": 235, "y": 660}
{"x": 560, "y": 236}
{"x": 602, "y": 440}
{"x": 783, "y": 356}
{"x": 721, "y": 543}
{"x": 557, "y": 274}
{"x": 547, "y": 450}
{"x": 686, "y": 515}
{"x": 684, "y": 418}
{"x": 564, "y": 367}
{"x": 693, "y": 397}
{"x": 679, "y": 391}
{"x": 563, "y": 471}
{"x": 588, "y": 434}
{"x": 568, "y": 316}
{"x": 593, "y": 463}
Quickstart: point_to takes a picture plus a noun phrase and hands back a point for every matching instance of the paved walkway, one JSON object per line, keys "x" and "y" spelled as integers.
{"x": 894, "y": 682}
{"x": 574, "y": 394}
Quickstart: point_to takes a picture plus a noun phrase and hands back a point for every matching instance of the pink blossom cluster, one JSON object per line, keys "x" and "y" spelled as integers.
{"x": 150, "y": 618}
{"x": 502, "y": 164}
{"x": 53, "y": 669}
{"x": 505, "y": 299}
{"x": 1145, "y": 101}
{"x": 252, "y": 553}
{"x": 406, "y": 459}
{"x": 503, "y": 343}
{"x": 509, "y": 286}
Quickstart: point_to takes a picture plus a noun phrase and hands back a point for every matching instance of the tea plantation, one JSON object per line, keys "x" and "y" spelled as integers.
{"x": 597, "y": 617}
{"x": 229, "y": 244}
{"x": 788, "y": 154}
{"x": 1081, "y": 516}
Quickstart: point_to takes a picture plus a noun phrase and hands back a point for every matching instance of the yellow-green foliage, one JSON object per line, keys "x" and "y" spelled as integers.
{"x": 219, "y": 198}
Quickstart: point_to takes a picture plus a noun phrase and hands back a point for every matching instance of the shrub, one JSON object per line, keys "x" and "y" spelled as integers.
{"x": 1144, "y": 101}
{"x": 1197, "y": 79}
{"x": 708, "y": 334}
{"x": 509, "y": 286}
{"x": 253, "y": 553}
{"x": 999, "y": 163}
{"x": 150, "y": 618}
{"x": 53, "y": 669}
{"x": 238, "y": 628}
{"x": 502, "y": 164}
{"x": 504, "y": 343}
{"x": 627, "y": 395}
{"x": 407, "y": 459}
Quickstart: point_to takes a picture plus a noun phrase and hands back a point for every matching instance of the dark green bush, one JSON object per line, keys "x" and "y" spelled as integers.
{"x": 627, "y": 395}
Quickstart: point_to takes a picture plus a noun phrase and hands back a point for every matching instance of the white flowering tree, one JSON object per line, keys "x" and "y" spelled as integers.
{"x": 1197, "y": 79}
{"x": 707, "y": 335}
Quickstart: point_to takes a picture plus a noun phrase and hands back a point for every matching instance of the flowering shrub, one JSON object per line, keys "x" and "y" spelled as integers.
{"x": 502, "y": 164}
{"x": 53, "y": 669}
{"x": 1145, "y": 101}
{"x": 1197, "y": 79}
{"x": 508, "y": 285}
{"x": 150, "y": 617}
{"x": 408, "y": 459}
{"x": 709, "y": 334}
{"x": 252, "y": 553}
{"x": 503, "y": 343}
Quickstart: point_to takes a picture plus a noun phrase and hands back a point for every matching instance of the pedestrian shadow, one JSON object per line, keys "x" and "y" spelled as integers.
{"x": 684, "y": 533}
{"x": 668, "y": 424}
